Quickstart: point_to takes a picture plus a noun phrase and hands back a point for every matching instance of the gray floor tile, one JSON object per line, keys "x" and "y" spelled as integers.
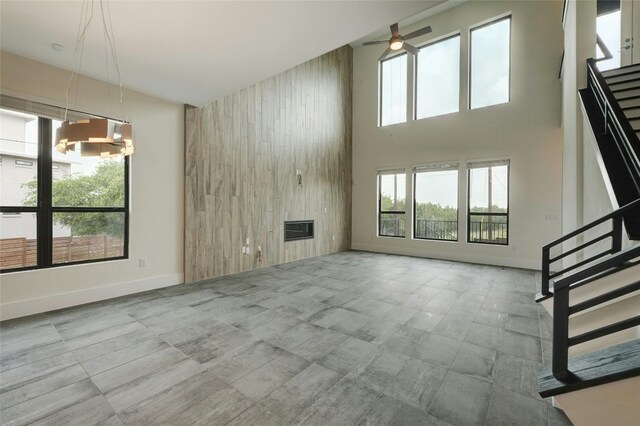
{"x": 438, "y": 350}
{"x": 524, "y": 325}
{"x": 376, "y": 331}
{"x": 220, "y": 339}
{"x": 426, "y": 321}
{"x": 522, "y": 345}
{"x": 151, "y": 384}
{"x": 292, "y": 398}
{"x": 113, "y": 344}
{"x": 256, "y": 415}
{"x": 461, "y": 400}
{"x": 280, "y": 339}
{"x": 345, "y": 404}
{"x": 263, "y": 380}
{"x": 122, "y": 356}
{"x": 31, "y": 350}
{"x": 93, "y": 411}
{"x": 49, "y": 403}
{"x": 557, "y": 417}
{"x": 484, "y": 335}
{"x": 218, "y": 409}
{"x": 237, "y": 363}
{"x": 348, "y": 355}
{"x": 297, "y": 335}
{"x": 28, "y": 389}
{"x": 320, "y": 346}
{"x": 173, "y": 401}
{"x": 509, "y": 408}
{"x": 36, "y": 370}
{"x": 341, "y": 320}
{"x": 476, "y": 361}
{"x": 389, "y": 411}
{"x": 517, "y": 374}
{"x": 491, "y": 317}
{"x": 453, "y": 327}
{"x": 416, "y": 383}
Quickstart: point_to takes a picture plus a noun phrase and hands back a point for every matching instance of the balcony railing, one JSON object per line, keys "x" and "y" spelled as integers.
{"x": 436, "y": 229}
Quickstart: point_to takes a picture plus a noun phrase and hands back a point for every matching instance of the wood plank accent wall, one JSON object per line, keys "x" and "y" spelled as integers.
{"x": 241, "y": 157}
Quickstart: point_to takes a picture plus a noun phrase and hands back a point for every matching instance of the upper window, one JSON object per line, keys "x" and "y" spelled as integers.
{"x": 490, "y": 63}
{"x": 71, "y": 208}
{"x": 488, "y": 219}
{"x": 392, "y": 187}
{"x": 438, "y": 78}
{"x": 436, "y": 202}
{"x": 393, "y": 90}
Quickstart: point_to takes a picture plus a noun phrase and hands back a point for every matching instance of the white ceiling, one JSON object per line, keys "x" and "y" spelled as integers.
{"x": 197, "y": 51}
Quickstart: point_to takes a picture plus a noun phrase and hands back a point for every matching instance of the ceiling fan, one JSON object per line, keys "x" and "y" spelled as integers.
{"x": 397, "y": 42}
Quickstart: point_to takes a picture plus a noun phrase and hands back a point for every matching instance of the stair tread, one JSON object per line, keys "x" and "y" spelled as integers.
{"x": 629, "y": 69}
{"x": 607, "y": 365}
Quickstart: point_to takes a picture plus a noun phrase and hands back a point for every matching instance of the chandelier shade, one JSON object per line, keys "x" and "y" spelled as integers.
{"x": 98, "y": 137}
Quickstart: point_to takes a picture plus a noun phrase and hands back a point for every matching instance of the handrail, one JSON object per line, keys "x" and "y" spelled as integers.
{"x": 583, "y": 270}
{"x": 616, "y": 122}
{"x": 616, "y": 243}
{"x": 604, "y": 49}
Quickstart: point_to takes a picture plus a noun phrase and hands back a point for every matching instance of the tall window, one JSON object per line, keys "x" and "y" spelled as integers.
{"x": 391, "y": 203}
{"x": 393, "y": 90}
{"x": 438, "y": 78}
{"x": 57, "y": 209}
{"x": 488, "y": 219}
{"x": 490, "y": 63}
{"x": 436, "y": 202}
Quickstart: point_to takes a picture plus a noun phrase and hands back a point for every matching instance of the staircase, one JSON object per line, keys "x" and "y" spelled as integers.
{"x": 625, "y": 85}
{"x": 591, "y": 276}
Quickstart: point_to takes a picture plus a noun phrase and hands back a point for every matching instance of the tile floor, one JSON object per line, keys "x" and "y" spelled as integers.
{"x": 350, "y": 338}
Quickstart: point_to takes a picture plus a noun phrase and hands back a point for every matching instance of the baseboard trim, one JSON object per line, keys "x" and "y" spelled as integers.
{"x": 462, "y": 257}
{"x": 38, "y": 305}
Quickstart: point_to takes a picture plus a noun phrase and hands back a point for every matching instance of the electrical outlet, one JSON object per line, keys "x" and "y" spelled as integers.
{"x": 244, "y": 250}
{"x": 143, "y": 262}
{"x": 248, "y": 250}
{"x": 334, "y": 238}
{"x": 247, "y": 242}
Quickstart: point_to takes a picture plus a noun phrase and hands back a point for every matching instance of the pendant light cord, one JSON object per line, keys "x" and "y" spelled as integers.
{"x": 114, "y": 53}
{"x": 86, "y": 16}
{"x": 78, "y": 50}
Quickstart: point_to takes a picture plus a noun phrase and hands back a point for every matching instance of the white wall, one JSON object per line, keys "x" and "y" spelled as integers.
{"x": 526, "y": 130}
{"x": 156, "y": 224}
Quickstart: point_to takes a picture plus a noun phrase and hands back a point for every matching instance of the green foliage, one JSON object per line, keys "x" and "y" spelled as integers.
{"x": 431, "y": 211}
{"x": 104, "y": 188}
{"x": 389, "y": 205}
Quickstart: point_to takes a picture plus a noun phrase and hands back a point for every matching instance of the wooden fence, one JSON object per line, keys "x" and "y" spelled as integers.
{"x": 21, "y": 252}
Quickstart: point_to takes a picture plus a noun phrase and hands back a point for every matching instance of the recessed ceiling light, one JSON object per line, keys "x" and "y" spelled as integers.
{"x": 57, "y": 47}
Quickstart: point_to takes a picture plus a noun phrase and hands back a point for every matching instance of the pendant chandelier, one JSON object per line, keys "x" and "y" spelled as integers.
{"x": 96, "y": 137}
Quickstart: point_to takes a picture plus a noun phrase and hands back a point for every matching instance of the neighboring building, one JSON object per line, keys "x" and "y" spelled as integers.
{"x": 19, "y": 165}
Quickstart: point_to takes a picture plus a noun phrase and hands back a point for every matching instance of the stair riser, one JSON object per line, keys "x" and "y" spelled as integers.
{"x": 623, "y": 70}
{"x": 628, "y": 77}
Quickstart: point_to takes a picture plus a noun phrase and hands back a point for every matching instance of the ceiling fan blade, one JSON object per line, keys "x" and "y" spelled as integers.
{"x": 394, "y": 30}
{"x": 416, "y": 33}
{"x": 385, "y": 54}
{"x": 367, "y": 43}
{"x": 409, "y": 48}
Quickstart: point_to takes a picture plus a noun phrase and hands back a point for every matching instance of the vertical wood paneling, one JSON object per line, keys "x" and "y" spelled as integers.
{"x": 241, "y": 156}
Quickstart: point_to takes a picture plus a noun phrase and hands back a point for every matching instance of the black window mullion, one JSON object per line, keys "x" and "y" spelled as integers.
{"x": 45, "y": 216}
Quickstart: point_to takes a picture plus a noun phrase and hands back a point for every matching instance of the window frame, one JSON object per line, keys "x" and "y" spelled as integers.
{"x": 380, "y": 211}
{"x": 434, "y": 168}
{"x": 506, "y": 162}
{"x": 45, "y": 210}
{"x": 495, "y": 20}
{"x": 380, "y": 88}
{"x": 415, "y": 74}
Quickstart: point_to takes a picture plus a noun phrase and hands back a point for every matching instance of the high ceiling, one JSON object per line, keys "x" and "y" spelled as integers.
{"x": 196, "y": 51}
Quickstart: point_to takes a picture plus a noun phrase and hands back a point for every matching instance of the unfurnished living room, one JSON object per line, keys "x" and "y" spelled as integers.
{"x": 320, "y": 212}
